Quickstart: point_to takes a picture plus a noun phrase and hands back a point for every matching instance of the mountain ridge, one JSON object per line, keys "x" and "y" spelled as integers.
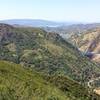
{"x": 34, "y": 22}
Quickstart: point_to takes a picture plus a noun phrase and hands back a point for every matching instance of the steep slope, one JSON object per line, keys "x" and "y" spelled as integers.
{"x": 18, "y": 83}
{"x": 5, "y": 31}
{"x": 89, "y": 42}
{"x": 47, "y": 53}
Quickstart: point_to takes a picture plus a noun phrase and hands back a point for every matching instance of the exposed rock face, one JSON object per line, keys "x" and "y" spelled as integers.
{"x": 89, "y": 42}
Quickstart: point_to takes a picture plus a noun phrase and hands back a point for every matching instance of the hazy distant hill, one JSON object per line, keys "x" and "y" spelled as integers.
{"x": 34, "y": 22}
{"x": 67, "y": 31}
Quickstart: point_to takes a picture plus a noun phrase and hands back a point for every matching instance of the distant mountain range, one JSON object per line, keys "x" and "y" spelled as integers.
{"x": 35, "y": 23}
{"x": 69, "y": 30}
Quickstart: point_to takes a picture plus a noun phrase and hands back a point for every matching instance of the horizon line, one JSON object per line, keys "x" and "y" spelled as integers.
{"x": 59, "y": 21}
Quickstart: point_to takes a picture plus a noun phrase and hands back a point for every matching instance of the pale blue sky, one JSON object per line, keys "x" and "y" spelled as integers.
{"x": 57, "y": 10}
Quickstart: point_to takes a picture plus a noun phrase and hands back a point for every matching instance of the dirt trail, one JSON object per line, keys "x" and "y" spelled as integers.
{"x": 91, "y": 81}
{"x": 96, "y": 90}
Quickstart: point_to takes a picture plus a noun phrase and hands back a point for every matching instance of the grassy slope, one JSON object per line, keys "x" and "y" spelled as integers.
{"x": 18, "y": 83}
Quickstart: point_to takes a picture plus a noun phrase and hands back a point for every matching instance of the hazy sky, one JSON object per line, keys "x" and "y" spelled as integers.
{"x": 57, "y": 10}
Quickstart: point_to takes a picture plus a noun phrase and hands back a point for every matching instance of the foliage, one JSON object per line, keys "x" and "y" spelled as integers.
{"x": 18, "y": 83}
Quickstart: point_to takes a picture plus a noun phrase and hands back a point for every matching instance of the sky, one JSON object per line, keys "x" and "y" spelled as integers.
{"x": 54, "y": 10}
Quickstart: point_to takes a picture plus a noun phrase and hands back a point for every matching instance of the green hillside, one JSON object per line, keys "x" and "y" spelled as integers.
{"x": 42, "y": 66}
{"x": 18, "y": 83}
{"x": 45, "y": 52}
